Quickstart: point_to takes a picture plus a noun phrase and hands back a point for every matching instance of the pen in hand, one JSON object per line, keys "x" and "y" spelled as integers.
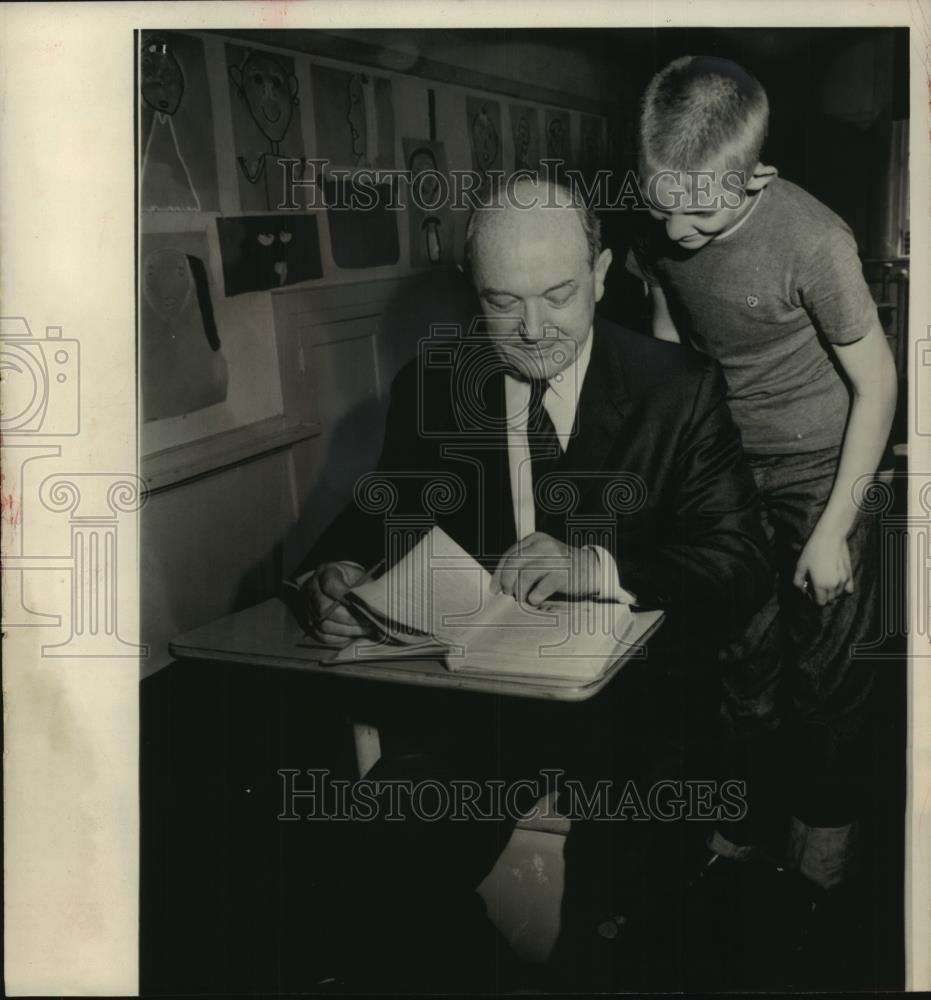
{"x": 294, "y": 596}
{"x": 369, "y": 574}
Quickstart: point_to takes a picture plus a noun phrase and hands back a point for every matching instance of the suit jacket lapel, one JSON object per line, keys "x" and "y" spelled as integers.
{"x": 491, "y": 515}
{"x": 598, "y": 424}
{"x": 601, "y": 411}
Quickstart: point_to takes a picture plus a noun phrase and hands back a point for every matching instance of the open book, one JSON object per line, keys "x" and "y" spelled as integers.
{"x": 437, "y": 601}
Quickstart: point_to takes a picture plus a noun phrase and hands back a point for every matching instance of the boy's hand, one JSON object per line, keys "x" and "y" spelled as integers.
{"x": 331, "y": 622}
{"x": 823, "y": 570}
{"x": 539, "y": 566}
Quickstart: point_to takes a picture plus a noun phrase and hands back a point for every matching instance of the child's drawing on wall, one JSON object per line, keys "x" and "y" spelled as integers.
{"x": 262, "y": 252}
{"x": 525, "y": 129}
{"x": 353, "y": 118}
{"x": 182, "y": 366}
{"x": 431, "y": 224}
{"x": 558, "y": 135}
{"x": 178, "y": 171}
{"x": 266, "y": 129}
{"x": 485, "y": 134}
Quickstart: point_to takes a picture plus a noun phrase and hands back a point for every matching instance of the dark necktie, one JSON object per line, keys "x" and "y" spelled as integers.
{"x": 541, "y": 437}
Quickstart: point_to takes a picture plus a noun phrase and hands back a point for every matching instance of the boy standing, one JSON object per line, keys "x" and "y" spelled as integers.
{"x": 754, "y": 271}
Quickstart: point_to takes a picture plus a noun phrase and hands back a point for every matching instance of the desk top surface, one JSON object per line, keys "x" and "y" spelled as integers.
{"x": 267, "y": 635}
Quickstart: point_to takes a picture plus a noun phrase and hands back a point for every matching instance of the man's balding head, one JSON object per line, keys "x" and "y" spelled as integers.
{"x": 526, "y": 196}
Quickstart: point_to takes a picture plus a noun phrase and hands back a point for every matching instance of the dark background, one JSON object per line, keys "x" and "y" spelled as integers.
{"x": 229, "y": 900}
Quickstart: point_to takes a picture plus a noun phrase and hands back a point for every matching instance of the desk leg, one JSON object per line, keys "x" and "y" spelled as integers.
{"x": 368, "y": 746}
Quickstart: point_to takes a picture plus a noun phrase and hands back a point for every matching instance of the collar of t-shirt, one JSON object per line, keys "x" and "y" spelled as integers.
{"x": 743, "y": 219}
{"x": 561, "y": 400}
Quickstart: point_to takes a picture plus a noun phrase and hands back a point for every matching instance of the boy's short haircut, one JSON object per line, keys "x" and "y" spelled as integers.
{"x": 702, "y": 113}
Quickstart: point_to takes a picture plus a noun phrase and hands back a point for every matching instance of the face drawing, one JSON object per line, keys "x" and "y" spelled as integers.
{"x": 167, "y": 283}
{"x": 556, "y": 134}
{"x": 522, "y": 141}
{"x": 269, "y": 255}
{"x": 162, "y": 78}
{"x": 355, "y": 115}
{"x": 421, "y": 161}
{"x": 269, "y": 92}
{"x": 484, "y": 139}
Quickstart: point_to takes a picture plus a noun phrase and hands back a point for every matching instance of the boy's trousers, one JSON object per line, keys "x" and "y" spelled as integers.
{"x": 796, "y": 694}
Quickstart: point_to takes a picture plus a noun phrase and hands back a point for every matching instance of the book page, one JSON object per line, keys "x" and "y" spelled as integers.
{"x": 571, "y": 640}
{"x": 437, "y": 580}
{"x": 439, "y": 590}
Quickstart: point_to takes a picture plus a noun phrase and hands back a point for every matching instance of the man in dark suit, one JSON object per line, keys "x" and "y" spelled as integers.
{"x": 626, "y": 410}
{"x": 571, "y": 457}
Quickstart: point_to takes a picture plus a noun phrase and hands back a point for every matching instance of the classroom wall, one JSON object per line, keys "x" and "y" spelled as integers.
{"x": 204, "y": 556}
{"x": 221, "y": 542}
{"x": 555, "y": 59}
{"x": 295, "y": 491}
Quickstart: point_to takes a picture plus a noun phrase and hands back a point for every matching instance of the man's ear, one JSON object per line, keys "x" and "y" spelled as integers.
{"x": 292, "y": 87}
{"x": 236, "y": 76}
{"x": 601, "y": 269}
{"x": 760, "y": 177}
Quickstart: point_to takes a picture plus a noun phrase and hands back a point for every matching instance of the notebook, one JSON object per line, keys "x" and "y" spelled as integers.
{"x": 437, "y": 601}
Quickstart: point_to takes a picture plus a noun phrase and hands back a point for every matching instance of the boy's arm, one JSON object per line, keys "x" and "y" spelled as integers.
{"x": 870, "y": 369}
{"x": 663, "y": 326}
{"x": 711, "y": 569}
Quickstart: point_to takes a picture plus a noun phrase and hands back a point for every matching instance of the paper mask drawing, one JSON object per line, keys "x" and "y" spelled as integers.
{"x": 484, "y": 119}
{"x": 182, "y": 366}
{"x": 266, "y": 127}
{"x": 178, "y": 169}
{"x": 431, "y": 223}
{"x": 354, "y": 118}
{"x": 558, "y": 135}
{"x": 260, "y": 252}
{"x": 525, "y": 129}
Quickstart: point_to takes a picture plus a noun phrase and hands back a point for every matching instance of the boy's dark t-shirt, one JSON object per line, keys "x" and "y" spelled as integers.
{"x": 761, "y": 299}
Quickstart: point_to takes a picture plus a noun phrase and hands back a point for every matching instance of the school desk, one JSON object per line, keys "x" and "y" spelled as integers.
{"x": 267, "y": 635}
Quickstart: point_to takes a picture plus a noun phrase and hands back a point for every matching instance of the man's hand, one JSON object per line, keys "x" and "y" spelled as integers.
{"x": 825, "y": 561}
{"x": 539, "y": 566}
{"x": 331, "y": 622}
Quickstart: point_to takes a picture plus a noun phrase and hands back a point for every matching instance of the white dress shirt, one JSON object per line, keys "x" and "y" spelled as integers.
{"x": 561, "y": 400}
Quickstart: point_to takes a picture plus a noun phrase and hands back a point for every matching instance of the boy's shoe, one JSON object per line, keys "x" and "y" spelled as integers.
{"x": 738, "y": 926}
{"x": 832, "y": 944}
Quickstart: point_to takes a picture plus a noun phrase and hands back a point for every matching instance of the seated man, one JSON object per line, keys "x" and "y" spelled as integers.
{"x": 550, "y": 403}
